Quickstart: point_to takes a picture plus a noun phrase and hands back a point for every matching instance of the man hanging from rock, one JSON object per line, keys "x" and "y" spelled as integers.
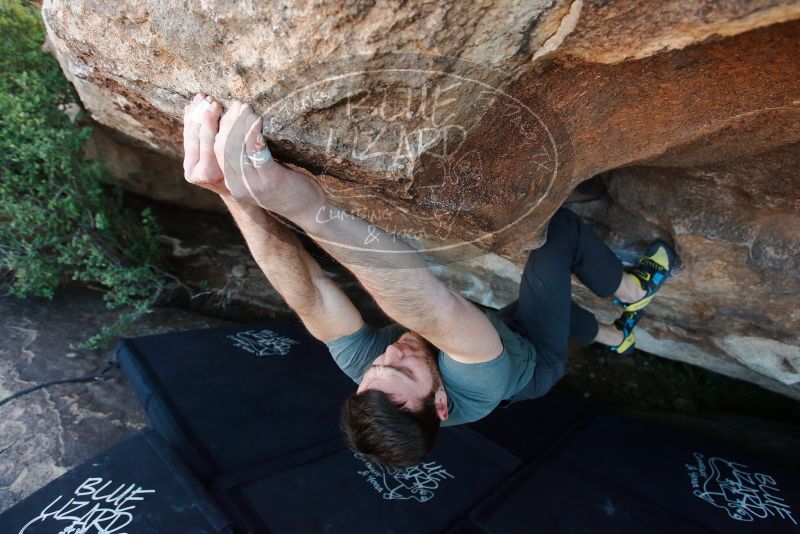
{"x": 444, "y": 362}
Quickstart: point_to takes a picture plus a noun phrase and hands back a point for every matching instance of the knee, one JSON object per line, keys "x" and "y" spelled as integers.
{"x": 564, "y": 225}
{"x": 563, "y": 218}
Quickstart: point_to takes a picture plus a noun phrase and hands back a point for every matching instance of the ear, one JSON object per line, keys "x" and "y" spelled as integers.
{"x": 440, "y": 401}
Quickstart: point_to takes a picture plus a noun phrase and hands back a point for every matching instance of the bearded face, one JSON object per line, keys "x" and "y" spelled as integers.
{"x": 407, "y": 372}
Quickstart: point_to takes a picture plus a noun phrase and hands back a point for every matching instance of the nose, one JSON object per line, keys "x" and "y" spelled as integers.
{"x": 393, "y": 353}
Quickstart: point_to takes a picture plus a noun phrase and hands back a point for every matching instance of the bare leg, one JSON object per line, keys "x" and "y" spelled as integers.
{"x": 608, "y": 335}
{"x": 629, "y": 289}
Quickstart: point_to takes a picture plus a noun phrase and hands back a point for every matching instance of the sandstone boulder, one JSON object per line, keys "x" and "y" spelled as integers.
{"x": 463, "y": 126}
{"x": 735, "y": 305}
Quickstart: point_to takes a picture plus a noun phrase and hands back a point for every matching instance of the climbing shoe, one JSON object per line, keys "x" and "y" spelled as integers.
{"x": 625, "y": 324}
{"x": 651, "y": 272}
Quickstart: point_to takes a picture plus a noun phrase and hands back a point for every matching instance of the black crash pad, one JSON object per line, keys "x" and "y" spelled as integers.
{"x": 621, "y": 475}
{"x": 530, "y": 428}
{"x": 138, "y": 486}
{"x": 331, "y": 489}
{"x": 226, "y": 398}
{"x": 554, "y": 498}
{"x": 255, "y": 410}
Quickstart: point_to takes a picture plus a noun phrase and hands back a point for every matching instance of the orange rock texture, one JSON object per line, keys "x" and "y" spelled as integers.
{"x": 463, "y": 126}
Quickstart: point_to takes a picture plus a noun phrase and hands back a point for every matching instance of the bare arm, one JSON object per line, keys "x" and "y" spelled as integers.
{"x": 401, "y": 283}
{"x": 322, "y": 306}
{"x": 324, "y": 309}
{"x": 397, "y": 277}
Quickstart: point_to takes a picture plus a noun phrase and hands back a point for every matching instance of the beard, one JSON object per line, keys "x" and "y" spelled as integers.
{"x": 431, "y": 356}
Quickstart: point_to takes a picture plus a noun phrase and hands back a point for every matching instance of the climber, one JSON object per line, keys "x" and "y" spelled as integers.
{"x": 444, "y": 362}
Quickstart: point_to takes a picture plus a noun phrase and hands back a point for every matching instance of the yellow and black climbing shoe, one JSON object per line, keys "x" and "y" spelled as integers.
{"x": 625, "y": 323}
{"x": 651, "y": 272}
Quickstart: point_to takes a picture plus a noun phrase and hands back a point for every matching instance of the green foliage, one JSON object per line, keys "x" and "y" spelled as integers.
{"x": 57, "y": 222}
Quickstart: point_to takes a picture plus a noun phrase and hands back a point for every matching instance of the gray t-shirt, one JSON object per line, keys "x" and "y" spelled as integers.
{"x": 473, "y": 389}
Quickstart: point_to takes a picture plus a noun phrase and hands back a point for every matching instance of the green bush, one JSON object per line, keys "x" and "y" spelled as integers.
{"x": 57, "y": 222}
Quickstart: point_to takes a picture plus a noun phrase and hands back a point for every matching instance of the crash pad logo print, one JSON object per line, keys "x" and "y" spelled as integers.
{"x": 416, "y": 483}
{"x": 733, "y": 487}
{"x": 95, "y": 507}
{"x": 263, "y": 342}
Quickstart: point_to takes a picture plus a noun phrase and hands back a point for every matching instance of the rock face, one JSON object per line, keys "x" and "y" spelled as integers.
{"x": 463, "y": 126}
{"x": 734, "y": 305}
{"x": 146, "y": 172}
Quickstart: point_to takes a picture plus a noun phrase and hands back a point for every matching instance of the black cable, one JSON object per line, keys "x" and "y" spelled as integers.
{"x": 91, "y": 378}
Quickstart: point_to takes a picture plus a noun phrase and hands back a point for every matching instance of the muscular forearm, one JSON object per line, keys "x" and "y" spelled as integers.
{"x": 389, "y": 269}
{"x": 278, "y": 253}
{"x": 296, "y": 276}
{"x": 322, "y": 306}
{"x": 401, "y": 283}
{"x": 386, "y": 265}
{"x": 392, "y": 271}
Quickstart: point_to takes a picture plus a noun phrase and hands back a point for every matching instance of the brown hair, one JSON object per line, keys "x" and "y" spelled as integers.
{"x": 374, "y": 426}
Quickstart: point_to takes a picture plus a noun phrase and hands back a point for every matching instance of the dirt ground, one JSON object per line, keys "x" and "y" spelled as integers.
{"x": 47, "y": 432}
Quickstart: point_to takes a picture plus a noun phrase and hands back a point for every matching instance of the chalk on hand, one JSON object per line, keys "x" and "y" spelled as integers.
{"x": 201, "y": 108}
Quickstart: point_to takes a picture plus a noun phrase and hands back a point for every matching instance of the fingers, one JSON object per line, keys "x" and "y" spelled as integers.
{"x": 243, "y": 127}
{"x": 191, "y": 142}
{"x": 207, "y": 173}
{"x": 239, "y": 127}
{"x": 209, "y": 126}
{"x": 201, "y": 121}
{"x": 255, "y": 144}
{"x": 253, "y": 140}
{"x": 225, "y": 124}
{"x": 229, "y": 118}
